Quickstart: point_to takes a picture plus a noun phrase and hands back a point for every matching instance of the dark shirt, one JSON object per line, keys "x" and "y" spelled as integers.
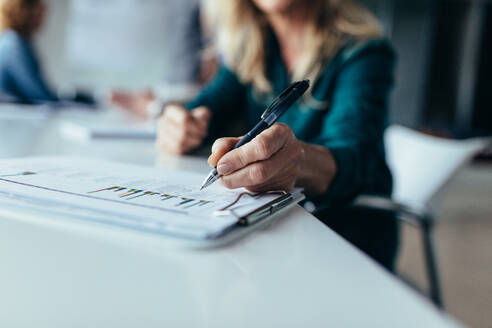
{"x": 20, "y": 74}
{"x": 346, "y": 112}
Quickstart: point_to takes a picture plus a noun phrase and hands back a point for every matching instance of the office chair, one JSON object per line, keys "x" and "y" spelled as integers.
{"x": 421, "y": 165}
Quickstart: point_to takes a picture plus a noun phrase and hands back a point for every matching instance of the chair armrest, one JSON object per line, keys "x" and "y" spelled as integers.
{"x": 402, "y": 211}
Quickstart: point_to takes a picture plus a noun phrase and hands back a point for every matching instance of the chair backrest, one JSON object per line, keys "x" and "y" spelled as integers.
{"x": 422, "y": 165}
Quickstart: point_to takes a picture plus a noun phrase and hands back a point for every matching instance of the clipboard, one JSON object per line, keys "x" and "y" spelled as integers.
{"x": 258, "y": 219}
{"x": 34, "y": 193}
{"x": 13, "y": 208}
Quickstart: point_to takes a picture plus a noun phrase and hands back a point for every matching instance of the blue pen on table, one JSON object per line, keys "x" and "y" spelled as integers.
{"x": 279, "y": 106}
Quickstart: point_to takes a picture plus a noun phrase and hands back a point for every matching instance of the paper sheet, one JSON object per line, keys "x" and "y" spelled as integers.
{"x": 160, "y": 200}
{"x": 86, "y": 132}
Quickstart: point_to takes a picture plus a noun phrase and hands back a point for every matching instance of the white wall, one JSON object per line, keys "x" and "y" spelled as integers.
{"x": 64, "y": 74}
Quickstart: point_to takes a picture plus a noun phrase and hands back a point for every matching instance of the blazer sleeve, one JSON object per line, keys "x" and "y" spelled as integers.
{"x": 225, "y": 96}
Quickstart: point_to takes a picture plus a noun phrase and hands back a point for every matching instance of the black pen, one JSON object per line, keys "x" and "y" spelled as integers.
{"x": 279, "y": 106}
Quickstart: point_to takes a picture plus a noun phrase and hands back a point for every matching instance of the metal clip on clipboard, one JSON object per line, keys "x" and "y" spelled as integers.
{"x": 263, "y": 211}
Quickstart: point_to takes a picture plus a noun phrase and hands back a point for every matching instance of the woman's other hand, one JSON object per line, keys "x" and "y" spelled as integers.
{"x": 181, "y": 131}
{"x": 271, "y": 161}
{"x": 134, "y": 102}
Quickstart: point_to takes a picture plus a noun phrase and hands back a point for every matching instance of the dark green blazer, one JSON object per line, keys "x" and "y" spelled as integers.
{"x": 346, "y": 111}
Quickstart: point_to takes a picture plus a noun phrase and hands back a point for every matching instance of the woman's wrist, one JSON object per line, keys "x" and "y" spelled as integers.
{"x": 317, "y": 169}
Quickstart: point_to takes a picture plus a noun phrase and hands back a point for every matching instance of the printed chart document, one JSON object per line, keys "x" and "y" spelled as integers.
{"x": 154, "y": 200}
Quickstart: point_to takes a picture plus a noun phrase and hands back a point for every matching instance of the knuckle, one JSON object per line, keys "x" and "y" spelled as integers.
{"x": 240, "y": 156}
{"x": 281, "y": 128}
{"x": 263, "y": 147}
{"x": 269, "y": 138}
{"x": 258, "y": 173}
{"x": 285, "y": 130}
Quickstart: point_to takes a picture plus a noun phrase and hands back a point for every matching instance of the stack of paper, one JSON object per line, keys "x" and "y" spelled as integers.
{"x": 155, "y": 200}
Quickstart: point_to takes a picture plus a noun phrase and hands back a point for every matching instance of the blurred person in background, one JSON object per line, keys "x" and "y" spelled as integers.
{"x": 20, "y": 72}
{"x": 21, "y": 76}
{"x": 185, "y": 65}
{"x": 331, "y": 142}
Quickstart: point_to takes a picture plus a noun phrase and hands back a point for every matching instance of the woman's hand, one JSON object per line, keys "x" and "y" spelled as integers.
{"x": 180, "y": 131}
{"x": 271, "y": 161}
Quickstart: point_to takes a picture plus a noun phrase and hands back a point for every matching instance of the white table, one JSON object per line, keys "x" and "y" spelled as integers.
{"x": 296, "y": 273}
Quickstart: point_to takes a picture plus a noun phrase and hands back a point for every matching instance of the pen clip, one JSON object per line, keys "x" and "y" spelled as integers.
{"x": 278, "y": 100}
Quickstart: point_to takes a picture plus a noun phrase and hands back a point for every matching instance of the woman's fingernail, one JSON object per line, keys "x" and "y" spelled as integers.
{"x": 224, "y": 169}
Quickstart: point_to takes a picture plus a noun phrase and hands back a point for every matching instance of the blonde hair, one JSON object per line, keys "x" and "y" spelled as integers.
{"x": 17, "y": 14}
{"x": 242, "y": 30}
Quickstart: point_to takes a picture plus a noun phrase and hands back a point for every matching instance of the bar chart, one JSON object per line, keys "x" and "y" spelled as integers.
{"x": 140, "y": 194}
